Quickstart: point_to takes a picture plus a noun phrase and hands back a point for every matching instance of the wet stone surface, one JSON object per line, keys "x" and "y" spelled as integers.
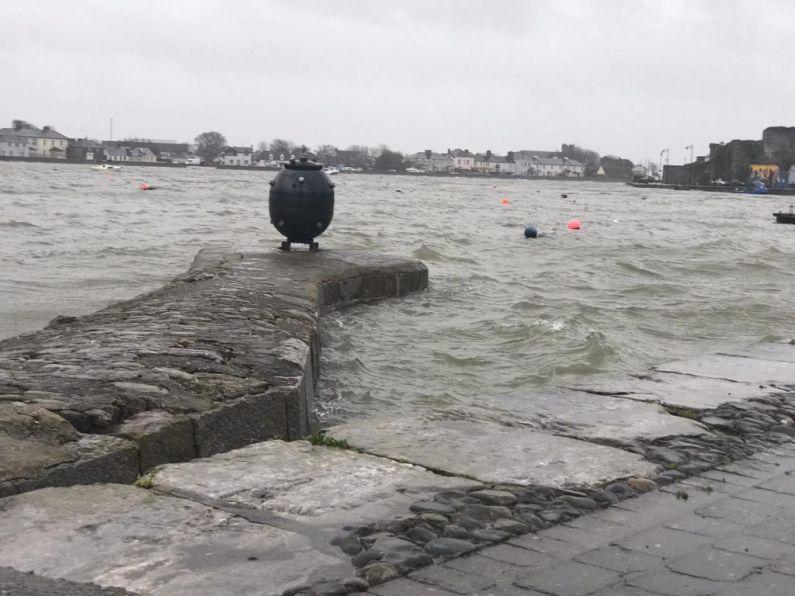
{"x": 469, "y": 524}
{"x": 223, "y": 356}
{"x": 151, "y": 381}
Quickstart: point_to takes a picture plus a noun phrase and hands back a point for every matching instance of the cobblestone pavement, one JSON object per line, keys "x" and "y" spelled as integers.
{"x": 730, "y": 531}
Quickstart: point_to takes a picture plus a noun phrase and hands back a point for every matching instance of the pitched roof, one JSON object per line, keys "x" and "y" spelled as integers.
{"x": 556, "y": 161}
{"x": 47, "y": 132}
{"x": 10, "y": 137}
{"x": 529, "y": 154}
{"x": 156, "y": 147}
{"x": 483, "y": 158}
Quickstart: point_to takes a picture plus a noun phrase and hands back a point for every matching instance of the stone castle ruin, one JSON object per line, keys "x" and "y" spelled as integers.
{"x": 732, "y": 161}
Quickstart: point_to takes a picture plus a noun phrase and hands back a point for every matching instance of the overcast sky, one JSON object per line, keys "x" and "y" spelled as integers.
{"x": 626, "y": 77}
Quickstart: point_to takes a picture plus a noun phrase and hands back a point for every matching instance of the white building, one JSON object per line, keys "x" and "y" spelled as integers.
{"x": 494, "y": 164}
{"x": 51, "y": 143}
{"x": 463, "y": 159}
{"x": 44, "y": 142}
{"x": 429, "y": 161}
{"x": 499, "y": 164}
{"x": 114, "y": 153}
{"x": 556, "y": 166}
{"x": 14, "y": 145}
{"x": 141, "y": 154}
{"x": 235, "y": 156}
{"x": 525, "y": 160}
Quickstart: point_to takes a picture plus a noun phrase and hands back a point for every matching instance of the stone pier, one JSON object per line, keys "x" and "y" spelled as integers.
{"x": 224, "y": 356}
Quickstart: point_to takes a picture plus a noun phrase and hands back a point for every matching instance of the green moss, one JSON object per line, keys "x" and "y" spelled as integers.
{"x": 320, "y": 438}
{"x": 683, "y": 412}
{"x": 145, "y": 481}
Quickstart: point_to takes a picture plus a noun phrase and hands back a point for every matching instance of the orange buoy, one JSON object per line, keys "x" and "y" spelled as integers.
{"x": 574, "y": 224}
{"x": 504, "y": 201}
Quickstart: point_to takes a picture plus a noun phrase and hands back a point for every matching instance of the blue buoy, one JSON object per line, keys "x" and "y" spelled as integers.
{"x": 530, "y": 232}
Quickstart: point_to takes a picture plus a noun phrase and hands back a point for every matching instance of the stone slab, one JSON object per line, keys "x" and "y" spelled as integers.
{"x": 679, "y": 390}
{"x": 585, "y": 416}
{"x": 39, "y": 448}
{"x": 123, "y": 536}
{"x": 161, "y": 437}
{"x": 736, "y": 368}
{"x": 571, "y": 578}
{"x": 781, "y": 351}
{"x": 33, "y": 439}
{"x": 320, "y": 488}
{"x": 491, "y": 452}
{"x": 16, "y": 583}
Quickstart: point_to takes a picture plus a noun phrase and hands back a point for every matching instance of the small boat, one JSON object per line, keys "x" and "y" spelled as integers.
{"x": 785, "y": 216}
{"x": 331, "y": 170}
{"x": 105, "y": 167}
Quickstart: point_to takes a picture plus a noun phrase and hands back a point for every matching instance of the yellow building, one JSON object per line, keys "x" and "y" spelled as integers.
{"x": 764, "y": 171}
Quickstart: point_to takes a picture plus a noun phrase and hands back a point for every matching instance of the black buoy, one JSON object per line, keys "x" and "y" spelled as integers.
{"x": 301, "y": 202}
{"x": 564, "y": 196}
{"x": 530, "y": 232}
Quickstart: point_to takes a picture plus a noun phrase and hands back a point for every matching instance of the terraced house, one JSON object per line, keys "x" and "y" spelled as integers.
{"x": 14, "y": 145}
{"x": 25, "y": 140}
{"x": 235, "y": 156}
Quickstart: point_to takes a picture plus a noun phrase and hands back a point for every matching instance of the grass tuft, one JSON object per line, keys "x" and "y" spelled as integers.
{"x": 321, "y": 438}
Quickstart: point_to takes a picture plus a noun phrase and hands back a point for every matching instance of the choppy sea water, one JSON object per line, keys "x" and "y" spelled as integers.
{"x": 652, "y": 275}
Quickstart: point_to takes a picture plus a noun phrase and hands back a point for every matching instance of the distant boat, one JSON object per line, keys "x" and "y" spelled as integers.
{"x": 331, "y": 170}
{"x": 104, "y": 167}
{"x": 785, "y": 217}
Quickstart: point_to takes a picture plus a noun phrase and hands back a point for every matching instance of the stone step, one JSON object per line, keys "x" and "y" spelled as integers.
{"x": 257, "y": 520}
{"x": 459, "y": 444}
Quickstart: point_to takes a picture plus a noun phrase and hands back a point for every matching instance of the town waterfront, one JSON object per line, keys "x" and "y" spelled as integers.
{"x": 652, "y": 276}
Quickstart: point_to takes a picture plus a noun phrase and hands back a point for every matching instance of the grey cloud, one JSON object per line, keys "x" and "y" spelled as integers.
{"x": 620, "y": 76}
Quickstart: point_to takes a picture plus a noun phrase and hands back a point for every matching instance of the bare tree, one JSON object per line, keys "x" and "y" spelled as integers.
{"x": 326, "y": 153}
